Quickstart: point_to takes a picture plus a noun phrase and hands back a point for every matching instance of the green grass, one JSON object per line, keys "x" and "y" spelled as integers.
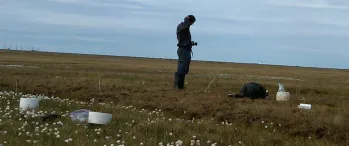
{"x": 131, "y": 126}
{"x": 148, "y": 83}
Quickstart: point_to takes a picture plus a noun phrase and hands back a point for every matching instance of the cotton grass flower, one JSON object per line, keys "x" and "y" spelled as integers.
{"x": 153, "y": 117}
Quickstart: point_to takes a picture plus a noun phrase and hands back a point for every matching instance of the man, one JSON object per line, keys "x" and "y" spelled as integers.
{"x": 184, "y": 50}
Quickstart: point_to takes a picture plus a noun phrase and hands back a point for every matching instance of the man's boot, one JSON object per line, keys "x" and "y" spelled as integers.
{"x": 181, "y": 81}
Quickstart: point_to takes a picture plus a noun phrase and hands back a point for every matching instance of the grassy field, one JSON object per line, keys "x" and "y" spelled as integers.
{"x": 148, "y": 84}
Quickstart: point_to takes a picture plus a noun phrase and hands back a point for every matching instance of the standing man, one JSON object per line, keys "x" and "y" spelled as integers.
{"x": 184, "y": 50}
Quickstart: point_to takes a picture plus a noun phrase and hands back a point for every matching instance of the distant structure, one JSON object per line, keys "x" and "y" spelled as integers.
{"x": 20, "y": 47}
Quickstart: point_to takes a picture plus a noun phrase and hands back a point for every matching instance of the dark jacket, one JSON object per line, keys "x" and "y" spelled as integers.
{"x": 183, "y": 35}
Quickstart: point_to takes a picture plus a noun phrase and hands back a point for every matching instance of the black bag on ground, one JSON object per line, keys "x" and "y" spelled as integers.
{"x": 50, "y": 117}
{"x": 252, "y": 90}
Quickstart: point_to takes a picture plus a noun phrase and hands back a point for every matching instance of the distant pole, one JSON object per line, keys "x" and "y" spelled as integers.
{"x": 21, "y": 47}
{"x": 214, "y": 77}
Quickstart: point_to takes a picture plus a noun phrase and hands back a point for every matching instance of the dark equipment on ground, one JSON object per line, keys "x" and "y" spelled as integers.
{"x": 251, "y": 90}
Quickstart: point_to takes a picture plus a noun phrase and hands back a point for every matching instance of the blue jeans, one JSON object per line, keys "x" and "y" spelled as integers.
{"x": 184, "y": 59}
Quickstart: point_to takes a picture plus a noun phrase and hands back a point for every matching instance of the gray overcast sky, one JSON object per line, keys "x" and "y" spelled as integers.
{"x": 286, "y": 32}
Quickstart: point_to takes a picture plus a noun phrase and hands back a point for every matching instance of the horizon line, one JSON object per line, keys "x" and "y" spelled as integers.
{"x": 142, "y": 57}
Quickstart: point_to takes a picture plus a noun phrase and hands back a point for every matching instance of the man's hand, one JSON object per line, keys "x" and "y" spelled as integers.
{"x": 194, "y": 43}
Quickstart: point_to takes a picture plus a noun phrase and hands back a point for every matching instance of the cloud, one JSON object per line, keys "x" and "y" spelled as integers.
{"x": 248, "y": 17}
{"x": 316, "y": 4}
{"x": 293, "y": 25}
{"x": 146, "y": 20}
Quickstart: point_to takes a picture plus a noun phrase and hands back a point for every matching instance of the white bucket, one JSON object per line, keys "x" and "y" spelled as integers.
{"x": 28, "y": 103}
{"x": 99, "y": 118}
{"x": 283, "y": 96}
{"x": 304, "y": 106}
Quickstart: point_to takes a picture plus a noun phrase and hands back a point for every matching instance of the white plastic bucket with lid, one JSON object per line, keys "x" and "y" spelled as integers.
{"x": 80, "y": 115}
{"x": 99, "y": 118}
{"x": 28, "y": 103}
{"x": 304, "y": 106}
{"x": 283, "y": 96}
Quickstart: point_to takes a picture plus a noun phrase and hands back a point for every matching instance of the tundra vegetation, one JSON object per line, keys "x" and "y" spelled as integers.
{"x": 147, "y": 110}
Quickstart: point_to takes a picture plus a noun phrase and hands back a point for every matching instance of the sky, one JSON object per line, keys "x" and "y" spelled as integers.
{"x": 313, "y": 33}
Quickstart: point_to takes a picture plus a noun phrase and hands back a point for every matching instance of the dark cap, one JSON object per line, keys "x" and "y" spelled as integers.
{"x": 191, "y": 18}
